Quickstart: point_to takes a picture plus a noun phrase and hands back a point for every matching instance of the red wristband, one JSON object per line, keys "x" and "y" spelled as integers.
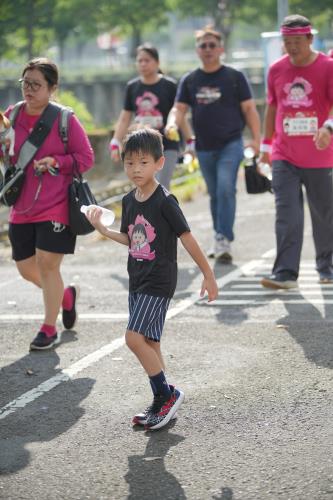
{"x": 266, "y": 141}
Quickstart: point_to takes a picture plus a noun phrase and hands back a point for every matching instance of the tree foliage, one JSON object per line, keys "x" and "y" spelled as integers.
{"x": 132, "y": 17}
{"x": 28, "y": 27}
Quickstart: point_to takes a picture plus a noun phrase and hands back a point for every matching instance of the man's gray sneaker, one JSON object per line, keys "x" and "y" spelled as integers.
{"x": 223, "y": 249}
{"x": 277, "y": 283}
{"x": 325, "y": 278}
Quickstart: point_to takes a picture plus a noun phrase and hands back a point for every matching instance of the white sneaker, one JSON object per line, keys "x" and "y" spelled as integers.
{"x": 211, "y": 251}
{"x": 223, "y": 249}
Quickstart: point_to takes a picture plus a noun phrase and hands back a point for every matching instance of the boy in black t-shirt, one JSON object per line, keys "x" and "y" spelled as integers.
{"x": 151, "y": 222}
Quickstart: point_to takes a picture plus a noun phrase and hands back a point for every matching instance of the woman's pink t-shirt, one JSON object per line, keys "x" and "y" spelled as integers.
{"x": 52, "y": 201}
{"x": 303, "y": 97}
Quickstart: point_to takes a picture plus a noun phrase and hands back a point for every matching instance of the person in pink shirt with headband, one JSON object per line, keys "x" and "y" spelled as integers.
{"x": 298, "y": 129}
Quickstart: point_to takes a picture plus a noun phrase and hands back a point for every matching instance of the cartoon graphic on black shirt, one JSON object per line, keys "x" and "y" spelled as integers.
{"x": 298, "y": 93}
{"x": 147, "y": 114}
{"x": 141, "y": 234}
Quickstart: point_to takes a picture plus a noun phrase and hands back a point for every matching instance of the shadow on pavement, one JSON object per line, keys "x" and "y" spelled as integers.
{"x": 147, "y": 476}
{"x": 314, "y": 335}
{"x": 226, "y": 494}
{"x": 43, "y": 419}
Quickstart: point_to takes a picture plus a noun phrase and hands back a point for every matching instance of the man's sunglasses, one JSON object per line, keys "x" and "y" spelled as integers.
{"x": 208, "y": 45}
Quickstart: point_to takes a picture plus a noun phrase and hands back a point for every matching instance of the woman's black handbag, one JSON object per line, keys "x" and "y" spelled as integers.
{"x": 79, "y": 193}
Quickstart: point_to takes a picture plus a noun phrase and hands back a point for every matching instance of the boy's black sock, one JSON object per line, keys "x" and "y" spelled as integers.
{"x": 153, "y": 388}
{"x": 159, "y": 383}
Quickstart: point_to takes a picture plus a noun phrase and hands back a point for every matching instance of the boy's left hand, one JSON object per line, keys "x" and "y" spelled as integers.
{"x": 210, "y": 285}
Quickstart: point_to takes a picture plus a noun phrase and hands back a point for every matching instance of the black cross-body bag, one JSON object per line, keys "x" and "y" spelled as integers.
{"x": 13, "y": 178}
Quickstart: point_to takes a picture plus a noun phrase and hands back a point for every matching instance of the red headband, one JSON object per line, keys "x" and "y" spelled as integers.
{"x": 296, "y": 30}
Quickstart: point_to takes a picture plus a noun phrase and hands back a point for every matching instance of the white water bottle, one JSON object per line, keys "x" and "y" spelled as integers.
{"x": 107, "y": 217}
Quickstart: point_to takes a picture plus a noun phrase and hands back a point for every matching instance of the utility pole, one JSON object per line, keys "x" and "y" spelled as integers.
{"x": 282, "y": 10}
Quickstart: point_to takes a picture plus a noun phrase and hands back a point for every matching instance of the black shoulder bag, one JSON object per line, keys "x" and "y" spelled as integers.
{"x": 13, "y": 177}
{"x": 79, "y": 193}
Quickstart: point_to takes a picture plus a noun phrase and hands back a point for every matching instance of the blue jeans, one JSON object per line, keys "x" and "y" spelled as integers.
{"x": 219, "y": 169}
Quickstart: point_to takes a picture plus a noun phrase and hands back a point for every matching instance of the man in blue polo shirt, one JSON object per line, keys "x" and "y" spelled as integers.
{"x": 221, "y": 103}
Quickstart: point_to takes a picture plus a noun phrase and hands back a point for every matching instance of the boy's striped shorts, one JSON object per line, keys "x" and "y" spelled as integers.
{"x": 147, "y": 314}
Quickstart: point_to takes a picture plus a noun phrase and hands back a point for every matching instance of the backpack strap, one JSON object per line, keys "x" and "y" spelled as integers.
{"x": 14, "y": 112}
{"x": 38, "y": 135}
{"x": 65, "y": 114}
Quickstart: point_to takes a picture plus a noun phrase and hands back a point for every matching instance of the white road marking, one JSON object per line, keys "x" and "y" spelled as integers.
{"x": 92, "y": 358}
{"x": 88, "y": 316}
{"x": 241, "y": 302}
{"x": 4, "y": 284}
{"x": 62, "y": 376}
{"x": 302, "y": 286}
{"x": 278, "y": 293}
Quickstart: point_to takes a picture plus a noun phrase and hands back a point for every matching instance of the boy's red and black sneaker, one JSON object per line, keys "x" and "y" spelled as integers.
{"x": 162, "y": 411}
{"x": 69, "y": 316}
{"x": 141, "y": 418}
{"x": 42, "y": 342}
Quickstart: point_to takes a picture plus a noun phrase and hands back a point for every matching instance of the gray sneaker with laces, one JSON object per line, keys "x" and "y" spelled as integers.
{"x": 223, "y": 249}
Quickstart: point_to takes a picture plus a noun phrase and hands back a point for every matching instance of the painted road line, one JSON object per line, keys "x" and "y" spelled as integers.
{"x": 304, "y": 286}
{"x": 63, "y": 376}
{"x": 277, "y": 293}
{"x": 4, "y": 284}
{"x": 256, "y": 278}
{"x": 242, "y": 302}
{"x": 92, "y": 358}
{"x": 85, "y": 317}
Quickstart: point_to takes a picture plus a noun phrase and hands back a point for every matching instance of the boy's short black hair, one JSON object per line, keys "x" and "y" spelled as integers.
{"x": 144, "y": 140}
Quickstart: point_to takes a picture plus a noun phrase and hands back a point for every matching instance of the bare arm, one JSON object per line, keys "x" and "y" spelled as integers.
{"x": 252, "y": 119}
{"x": 121, "y": 128}
{"x": 269, "y": 121}
{"x": 269, "y": 129}
{"x": 186, "y": 128}
{"x": 323, "y": 136}
{"x": 209, "y": 283}
{"x": 176, "y": 117}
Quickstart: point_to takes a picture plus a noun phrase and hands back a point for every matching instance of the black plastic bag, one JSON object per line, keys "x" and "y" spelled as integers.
{"x": 254, "y": 181}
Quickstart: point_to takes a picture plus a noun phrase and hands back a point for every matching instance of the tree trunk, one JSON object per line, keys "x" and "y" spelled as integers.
{"x": 30, "y": 28}
{"x": 136, "y": 40}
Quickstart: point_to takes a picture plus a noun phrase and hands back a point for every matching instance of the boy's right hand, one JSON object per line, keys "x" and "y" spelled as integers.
{"x": 209, "y": 284}
{"x": 94, "y": 215}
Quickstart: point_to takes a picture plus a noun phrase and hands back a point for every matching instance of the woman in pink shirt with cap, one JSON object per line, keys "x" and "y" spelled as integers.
{"x": 38, "y": 222}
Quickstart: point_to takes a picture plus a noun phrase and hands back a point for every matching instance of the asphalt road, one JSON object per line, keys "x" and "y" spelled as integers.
{"x": 255, "y": 366}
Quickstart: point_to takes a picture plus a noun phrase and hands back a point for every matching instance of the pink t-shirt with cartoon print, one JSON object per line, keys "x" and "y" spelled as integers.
{"x": 303, "y": 97}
